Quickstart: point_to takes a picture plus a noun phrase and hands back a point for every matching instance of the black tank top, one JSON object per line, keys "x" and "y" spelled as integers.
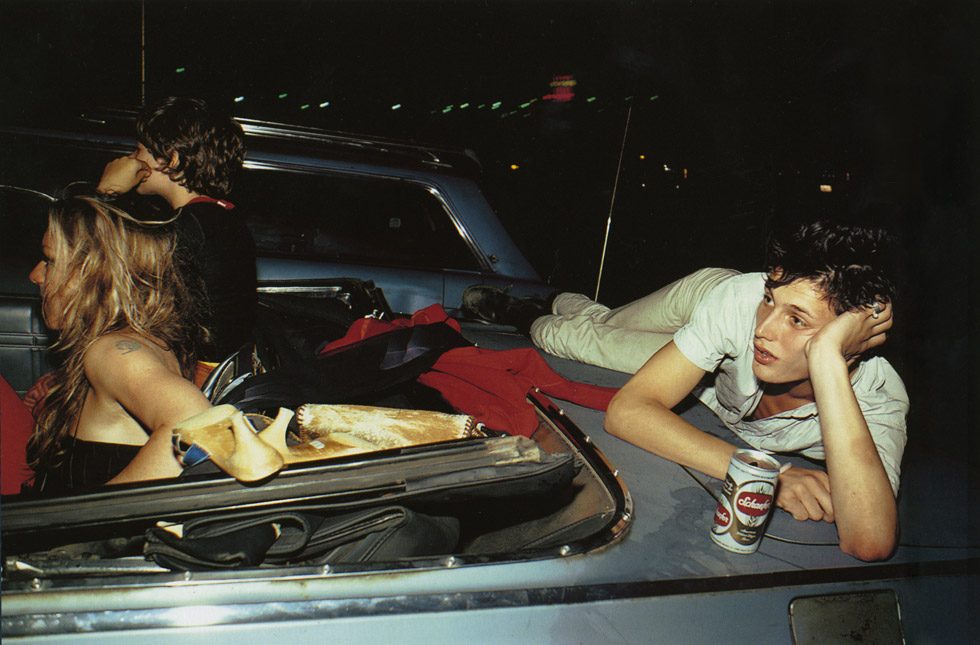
{"x": 87, "y": 464}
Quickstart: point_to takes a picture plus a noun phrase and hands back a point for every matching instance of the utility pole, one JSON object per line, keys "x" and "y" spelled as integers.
{"x": 142, "y": 53}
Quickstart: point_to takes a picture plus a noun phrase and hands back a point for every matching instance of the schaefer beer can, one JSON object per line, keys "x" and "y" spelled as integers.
{"x": 746, "y": 499}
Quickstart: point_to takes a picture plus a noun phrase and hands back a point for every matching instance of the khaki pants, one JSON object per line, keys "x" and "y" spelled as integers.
{"x": 624, "y": 338}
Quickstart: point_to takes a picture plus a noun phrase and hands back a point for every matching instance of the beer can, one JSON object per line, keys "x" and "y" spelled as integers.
{"x": 746, "y": 500}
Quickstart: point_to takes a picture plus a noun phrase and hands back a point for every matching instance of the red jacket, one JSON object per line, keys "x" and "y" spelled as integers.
{"x": 16, "y": 426}
{"x": 489, "y": 385}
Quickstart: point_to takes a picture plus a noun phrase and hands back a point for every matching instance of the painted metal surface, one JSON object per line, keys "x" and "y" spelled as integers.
{"x": 755, "y": 616}
{"x": 664, "y": 582}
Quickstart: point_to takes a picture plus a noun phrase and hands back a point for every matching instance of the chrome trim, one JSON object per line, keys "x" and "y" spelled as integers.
{"x": 304, "y": 289}
{"x": 429, "y": 155}
{"x": 226, "y": 612}
{"x": 600, "y": 465}
{"x": 29, "y": 191}
{"x": 474, "y": 248}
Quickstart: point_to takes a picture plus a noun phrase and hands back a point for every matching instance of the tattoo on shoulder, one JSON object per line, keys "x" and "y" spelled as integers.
{"x": 127, "y": 346}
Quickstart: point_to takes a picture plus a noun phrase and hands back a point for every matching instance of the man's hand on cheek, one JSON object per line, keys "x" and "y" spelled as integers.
{"x": 853, "y": 332}
{"x": 122, "y": 175}
{"x": 805, "y": 494}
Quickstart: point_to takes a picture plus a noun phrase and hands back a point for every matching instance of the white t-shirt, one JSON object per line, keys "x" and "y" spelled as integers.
{"x": 719, "y": 339}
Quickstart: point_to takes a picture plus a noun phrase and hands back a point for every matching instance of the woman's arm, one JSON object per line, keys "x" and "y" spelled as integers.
{"x": 142, "y": 378}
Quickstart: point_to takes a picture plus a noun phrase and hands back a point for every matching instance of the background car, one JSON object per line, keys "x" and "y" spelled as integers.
{"x": 409, "y": 217}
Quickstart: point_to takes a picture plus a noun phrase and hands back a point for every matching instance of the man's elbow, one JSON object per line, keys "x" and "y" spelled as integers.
{"x": 625, "y": 409}
{"x": 615, "y": 421}
{"x": 870, "y": 548}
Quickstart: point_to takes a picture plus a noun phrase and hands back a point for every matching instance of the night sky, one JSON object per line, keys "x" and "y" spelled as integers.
{"x": 760, "y": 101}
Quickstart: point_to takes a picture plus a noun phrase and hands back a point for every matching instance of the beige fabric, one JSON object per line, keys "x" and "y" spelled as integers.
{"x": 326, "y": 431}
{"x": 624, "y": 338}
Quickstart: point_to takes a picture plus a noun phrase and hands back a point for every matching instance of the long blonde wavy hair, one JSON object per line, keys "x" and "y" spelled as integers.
{"x": 119, "y": 274}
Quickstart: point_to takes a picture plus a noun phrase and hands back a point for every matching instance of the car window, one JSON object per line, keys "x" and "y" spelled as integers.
{"x": 50, "y": 165}
{"x": 350, "y": 218}
{"x": 23, "y": 218}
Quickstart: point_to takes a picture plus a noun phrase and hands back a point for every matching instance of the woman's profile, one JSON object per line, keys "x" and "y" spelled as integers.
{"x": 128, "y": 330}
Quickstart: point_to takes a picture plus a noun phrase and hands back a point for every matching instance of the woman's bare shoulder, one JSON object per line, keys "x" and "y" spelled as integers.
{"x": 121, "y": 351}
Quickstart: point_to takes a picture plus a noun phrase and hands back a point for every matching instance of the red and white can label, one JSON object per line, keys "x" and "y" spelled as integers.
{"x": 723, "y": 517}
{"x": 748, "y": 494}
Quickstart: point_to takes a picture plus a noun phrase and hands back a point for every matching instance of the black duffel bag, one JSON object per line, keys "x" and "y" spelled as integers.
{"x": 300, "y": 536}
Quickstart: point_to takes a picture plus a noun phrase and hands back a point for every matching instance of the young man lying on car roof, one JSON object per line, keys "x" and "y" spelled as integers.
{"x": 787, "y": 351}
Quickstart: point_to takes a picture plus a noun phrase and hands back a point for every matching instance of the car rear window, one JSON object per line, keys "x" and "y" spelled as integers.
{"x": 351, "y": 218}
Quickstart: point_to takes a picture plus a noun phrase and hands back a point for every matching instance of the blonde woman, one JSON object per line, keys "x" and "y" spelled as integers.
{"x": 128, "y": 333}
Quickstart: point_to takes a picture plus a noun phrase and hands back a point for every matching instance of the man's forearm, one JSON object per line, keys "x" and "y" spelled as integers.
{"x": 864, "y": 504}
{"x": 121, "y": 175}
{"x": 659, "y": 430}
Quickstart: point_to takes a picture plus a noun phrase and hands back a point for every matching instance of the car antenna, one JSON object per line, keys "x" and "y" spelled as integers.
{"x": 612, "y": 201}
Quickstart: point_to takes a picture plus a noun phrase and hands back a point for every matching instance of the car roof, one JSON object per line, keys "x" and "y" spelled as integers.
{"x": 289, "y": 139}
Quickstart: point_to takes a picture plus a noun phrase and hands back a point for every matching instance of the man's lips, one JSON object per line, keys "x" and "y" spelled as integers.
{"x": 762, "y": 356}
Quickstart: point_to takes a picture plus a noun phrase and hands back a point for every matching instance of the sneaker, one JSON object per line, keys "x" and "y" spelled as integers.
{"x": 494, "y": 305}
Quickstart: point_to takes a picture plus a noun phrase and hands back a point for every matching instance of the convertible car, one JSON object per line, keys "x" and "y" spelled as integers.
{"x": 560, "y": 534}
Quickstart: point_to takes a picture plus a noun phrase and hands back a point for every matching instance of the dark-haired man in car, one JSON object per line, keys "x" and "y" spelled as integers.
{"x": 787, "y": 352}
{"x": 189, "y": 154}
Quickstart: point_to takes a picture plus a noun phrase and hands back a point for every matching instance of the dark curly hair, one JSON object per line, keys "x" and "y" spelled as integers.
{"x": 210, "y": 146}
{"x": 853, "y": 265}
